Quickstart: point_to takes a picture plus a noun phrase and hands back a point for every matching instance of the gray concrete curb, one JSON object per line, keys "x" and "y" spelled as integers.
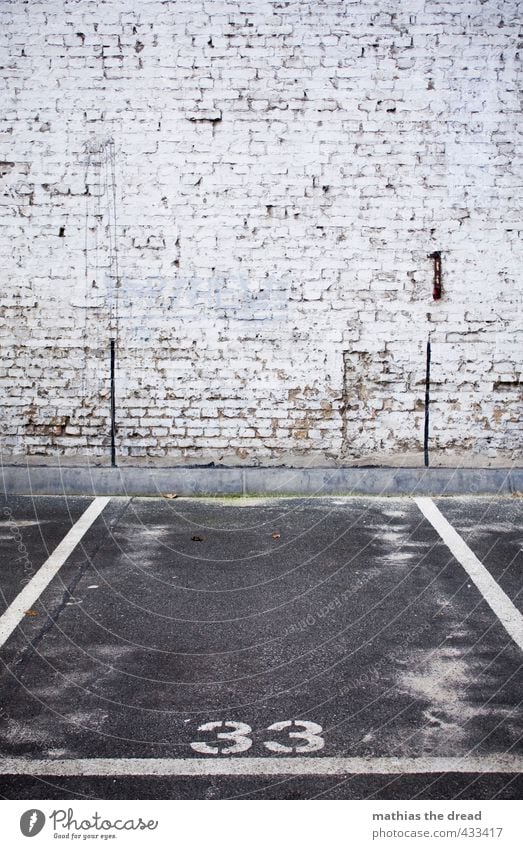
{"x": 128, "y": 480}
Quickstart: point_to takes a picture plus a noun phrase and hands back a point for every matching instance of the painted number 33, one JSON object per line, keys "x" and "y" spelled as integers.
{"x": 238, "y": 739}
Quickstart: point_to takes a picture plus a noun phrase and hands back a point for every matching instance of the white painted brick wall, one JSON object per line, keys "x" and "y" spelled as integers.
{"x": 245, "y": 195}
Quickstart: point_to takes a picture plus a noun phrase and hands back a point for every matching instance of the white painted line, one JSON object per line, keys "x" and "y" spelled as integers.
{"x": 33, "y": 590}
{"x": 505, "y": 610}
{"x": 259, "y": 766}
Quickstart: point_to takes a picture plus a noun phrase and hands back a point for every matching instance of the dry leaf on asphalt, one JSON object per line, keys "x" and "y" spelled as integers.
{"x": 31, "y": 612}
{"x": 170, "y": 495}
{"x": 276, "y": 536}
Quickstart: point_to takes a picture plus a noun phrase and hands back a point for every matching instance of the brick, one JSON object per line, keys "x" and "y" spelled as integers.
{"x": 278, "y": 188}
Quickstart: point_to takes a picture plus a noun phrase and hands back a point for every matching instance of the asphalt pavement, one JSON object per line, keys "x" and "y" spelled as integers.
{"x": 261, "y": 648}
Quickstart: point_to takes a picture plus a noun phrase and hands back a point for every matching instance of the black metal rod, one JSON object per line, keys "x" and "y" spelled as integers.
{"x": 113, "y": 406}
{"x": 427, "y": 403}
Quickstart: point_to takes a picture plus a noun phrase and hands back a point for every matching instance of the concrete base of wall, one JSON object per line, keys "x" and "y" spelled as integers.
{"x": 67, "y": 480}
{"x": 445, "y": 459}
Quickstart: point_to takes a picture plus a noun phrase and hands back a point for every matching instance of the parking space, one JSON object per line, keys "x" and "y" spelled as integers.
{"x": 264, "y": 648}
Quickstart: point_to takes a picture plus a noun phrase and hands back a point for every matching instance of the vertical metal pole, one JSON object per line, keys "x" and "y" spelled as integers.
{"x": 427, "y": 402}
{"x": 113, "y": 406}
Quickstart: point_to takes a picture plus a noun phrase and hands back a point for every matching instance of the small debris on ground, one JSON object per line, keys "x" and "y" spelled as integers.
{"x": 170, "y": 495}
{"x": 31, "y": 612}
{"x": 196, "y": 538}
{"x": 276, "y": 535}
